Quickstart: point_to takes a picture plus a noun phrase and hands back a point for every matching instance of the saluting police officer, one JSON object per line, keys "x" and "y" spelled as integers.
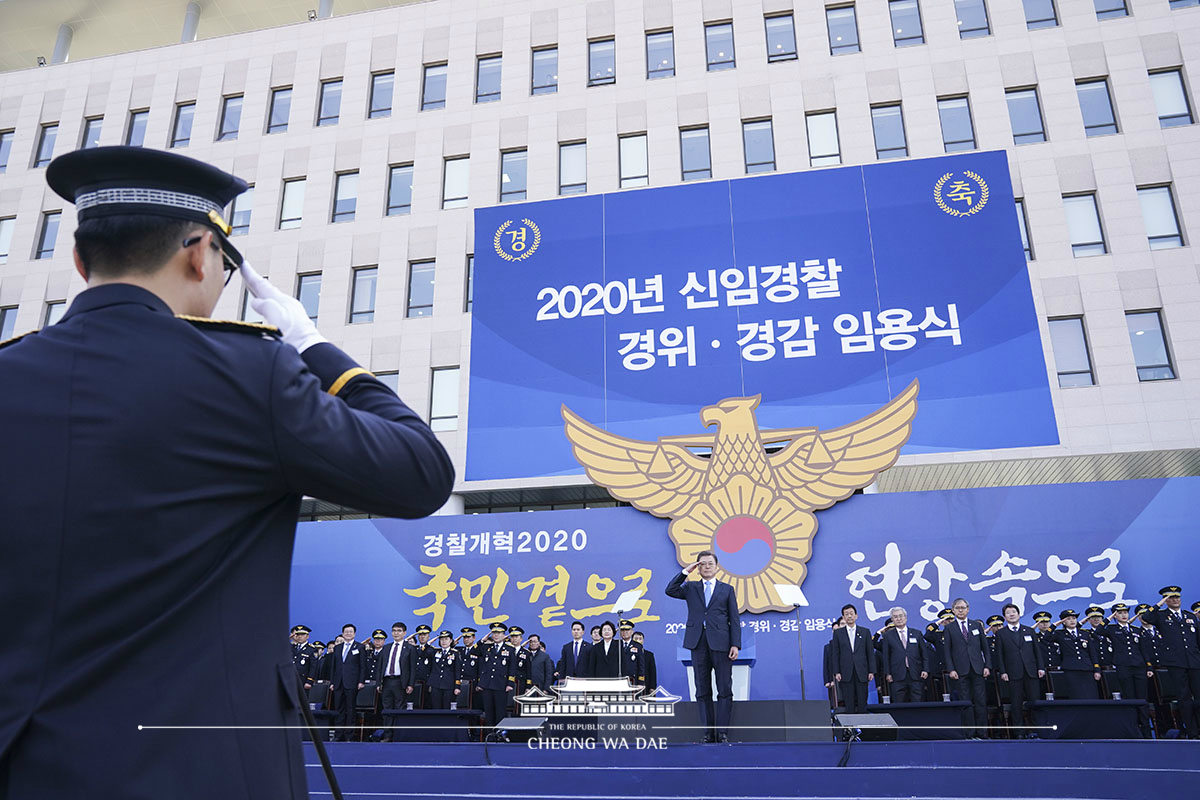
{"x": 443, "y": 672}
{"x": 418, "y": 653}
{"x": 1179, "y": 656}
{"x": 520, "y": 658}
{"x": 304, "y": 656}
{"x": 1097, "y": 622}
{"x": 497, "y": 675}
{"x": 1080, "y": 660}
{"x": 1042, "y": 628}
{"x": 163, "y": 459}
{"x": 1129, "y": 660}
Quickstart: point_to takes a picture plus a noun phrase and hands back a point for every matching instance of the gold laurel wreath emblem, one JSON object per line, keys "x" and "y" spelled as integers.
{"x": 499, "y": 248}
{"x": 954, "y": 212}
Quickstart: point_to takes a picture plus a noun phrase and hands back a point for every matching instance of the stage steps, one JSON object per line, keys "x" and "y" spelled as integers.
{"x": 957, "y": 770}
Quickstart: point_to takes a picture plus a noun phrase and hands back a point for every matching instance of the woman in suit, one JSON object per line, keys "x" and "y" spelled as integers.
{"x": 604, "y": 659}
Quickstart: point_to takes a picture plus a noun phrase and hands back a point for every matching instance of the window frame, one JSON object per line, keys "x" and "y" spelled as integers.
{"x": 621, "y": 176}
{"x": 433, "y": 421}
{"x": 1112, "y": 108}
{"x": 719, "y": 64}
{"x": 1113, "y": 12}
{"x": 843, "y": 49}
{"x": 524, "y": 190}
{"x": 683, "y": 167}
{"x": 456, "y": 201}
{"x": 1087, "y": 352}
{"x": 176, "y": 140}
{"x": 355, "y": 274}
{"x": 40, "y": 251}
{"x": 134, "y": 115}
{"x": 87, "y": 125}
{"x": 1081, "y": 249}
{"x": 6, "y": 246}
{"x": 282, "y": 223}
{"x": 975, "y": 33}
{"x": 1023, "y": 222}
{"x": 426, "y": 103}
{"x": 837, "y": 136}
{"x": 1183, "y": 91}
{"x": 534, "y": 88}
{"x": 567, "y": 189}
{"x": 1008, "y": 95}
{"x": 787, "y": 55}
{"x": 469, "y": 288}
{"x": 879, "y": 152}
{"x": 1142, "y": 369}
{"x": 602, "y": 80}
{"x": 336, "y": 217}
{"x": 234, "y": 210}
{"x": 1178, "y": 235}
{"x": 229, "y": 134}
{"x": 1040, "y": 23}
{"x": 948, "y": 146}
{"x": 409, "y": 307}
{"x": 46, "y": 129}
{"x": 652, "y": 74}
{"x": 272, "y": 127}
{"x": 390, "y": 210}
{"x": 300, "y": 284}
{"x": 907, "y": 41}
{"x": 7, "y": 136}
{"x": 378, "y": 111}
{"x": 491, "y": 97}
{"x": 746, "y": 150}
{"x": 323, "y": 120}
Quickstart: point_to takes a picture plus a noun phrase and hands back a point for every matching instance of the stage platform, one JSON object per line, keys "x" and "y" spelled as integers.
{"x": 958, "y": 770}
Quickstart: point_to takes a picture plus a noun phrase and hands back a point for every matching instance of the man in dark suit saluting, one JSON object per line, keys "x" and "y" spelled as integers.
{"x": 852, "y": 659}
{"x": 968, "y": 662}
{"x": 714, "y": 635}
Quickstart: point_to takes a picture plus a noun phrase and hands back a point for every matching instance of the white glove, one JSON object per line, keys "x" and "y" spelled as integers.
{"x": 284, "y": 312}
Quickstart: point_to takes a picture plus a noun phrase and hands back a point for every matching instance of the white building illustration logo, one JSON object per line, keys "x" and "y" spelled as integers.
{"x": 587, "y": 696}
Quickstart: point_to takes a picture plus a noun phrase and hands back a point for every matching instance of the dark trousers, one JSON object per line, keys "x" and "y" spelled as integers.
{"x": 853, "y": 695}
{"x": 1132, "y": 684}
{"x": 441, "y": 698}
{"x": 970, "y": 687}
{"x": 1021, "y": 691}
{"x": 393, "y": 694}
{"x": 713, "y": 717}
{"x": 493, "y": 706}
{"x": 1183, "y": 685}
{"x": 903, "y": 690}
{"x": 344, "y": 700}
{"x": 1077, "y": 684}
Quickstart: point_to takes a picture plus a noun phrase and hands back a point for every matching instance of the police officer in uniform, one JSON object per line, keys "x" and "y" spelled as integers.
{"x": 373, "y": 653}
{"x": 649, "y": 674}
{"x": 163, "y": 459}
{"x": 443, "y": 672}
{"x": 1080, "y": 660}
{"x": 1129, "y": 659}
{"x": 469, "y": 649}
{"x": 520, "y": 658}
{"x": 304, "y": 655}
{"x": 1179, "y": 656}
{"x": 418, "y": 653}
{"x": 631, "y": 654}
{"x": 497, "y": 675}
{"x": 934, "y": 633}
{"x": 1097, "y": 622}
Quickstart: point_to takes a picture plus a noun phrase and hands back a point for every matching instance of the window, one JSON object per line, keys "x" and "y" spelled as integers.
{"x": 181, "y": 133}
{"x": 602, "y": 62}
{"x": 345, "y": 196}
{"x": 1111, "y": 9}
{"x": 231, "y": 118}
{"x": 823, "y": 147}
{"x": 91, "y": 133}
{"x": 1149, "y": 346}
{"x": 694, "y": 154}
{"x": 420, "y": 289}
{"x": 635, "y": 165}
{"x": 248, "y": 313}
{"x": 660, "y": 55}
{"x": 1023, "y": 224}
{"x": 45, "y": 150}
{"x": 1158, "y": 212}
{"x": 6, "y": 140}
{"x": 843, "y": 30}
{"x": 49, "y": 232}
{"x": 281, "y": 109}
{"x": 545, "y": 71}
{"x": 487, "y": 79}
{"x": 888, "y": 123}
{"x": 1025, "y": 114}
{"x": 399, "y": 198}
{"x": 390, "y": 379}
{"x": 329, "y": 108}
{"x": 1040, "y": 14}
{"x": 135, "y": 136}
{"x": 513, "y": 175}
{"x": 1184, "y": 3}
{"x": 433, "y": 93}
{"x": 759, "y": 146}
{"x": 1170, "y": 98}
{"x": 1096, "y": 104}
{"x": 6, "y": 231}
{"x": 972, "y": 19}
{"x": 1071, "y": 358}
{"x": 1083, "y": 225}
{"x": 381, "y": 95}
{"x": 308, "y": 292}
{"x": 906, "y": 22}
{"x": 239, "y": 216}
{"x": 718, "y": 45}
{"x": 54, "y": 312}
{"x": 469, "y": 294}
{"x": 291, "y": 210}
{"x": 362, "y": 295}
{"x": 443, "y": 399}
{"x": 957, "y": 131}
{"x": 8, "y": 322}
{"x": 572, "y": 168}
{"x": 456, "y": 175}
{"x": 781, "y": 38}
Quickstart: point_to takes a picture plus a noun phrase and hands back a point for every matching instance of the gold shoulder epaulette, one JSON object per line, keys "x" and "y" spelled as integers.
{"x": 15, "y": 339}
{"x": 230, "y": 325}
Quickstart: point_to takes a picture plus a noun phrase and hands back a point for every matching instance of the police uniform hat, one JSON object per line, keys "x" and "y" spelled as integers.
{"x": 1196, "y": 606}
{"x": 114, "y": 181}
{"x": 626, "y": 625}
{"x": 424, "y": 629}
{"x": 995, "y": 619}
{"x": 1069, "y": 612}
{"x": 516, "y": 630}
{"x": 319, "y": 645}
{"x": 1170, "y": 591}
{"x": 378, "y": 633}
{"x": 1093, "y": 611}
{"x": 467, "y": 631}
{"x": 497, "y": 626}
{"x": 1119, "y": 607}
{"x": 1041, "y": 616}
{"x": 945, "y": 613}
{"x": 301, "y": 629}
{"x": 445, "y": 633}
{"x": 1142, "y": 608}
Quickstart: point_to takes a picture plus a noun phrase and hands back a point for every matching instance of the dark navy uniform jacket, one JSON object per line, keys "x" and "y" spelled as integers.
{"x": 443, "y": 668}
{"x": 497, "y": 667}
{"x": 1178, "y": 637}
{"x": 1077, "y": 652}
{"x": 152, "y": 479}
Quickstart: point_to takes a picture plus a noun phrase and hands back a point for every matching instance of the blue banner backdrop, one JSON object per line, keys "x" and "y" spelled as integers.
{"x": 1052, "y": 547}
{"x": 828, "y": 291}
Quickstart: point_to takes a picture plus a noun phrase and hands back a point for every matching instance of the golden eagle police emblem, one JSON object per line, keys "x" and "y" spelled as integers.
{"x": 517, "y": 241}
{"x": 962, "y": 197}
{"x": 754, "y": 509}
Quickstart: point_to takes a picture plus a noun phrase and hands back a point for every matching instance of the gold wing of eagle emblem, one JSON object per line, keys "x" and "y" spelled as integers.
{"x": 751, "y": 507}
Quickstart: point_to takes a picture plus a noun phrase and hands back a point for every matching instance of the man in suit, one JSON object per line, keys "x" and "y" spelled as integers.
{"x": 968, "y": 662}
{"x": 164, "y": 512}
{"x": 1021, "y": 664}
{"x": 905, "y": 661}
{"x": 541, "y": 668}
{"x": 572, "y": 662}
{"x": 347, "y": 676}
{"x": 852, "y": 659}
{"x": 395, "y": 665}
{"x": 1178, "y": 656}
{"x": 714, "y": 636}
{"x": 649, "y": 674}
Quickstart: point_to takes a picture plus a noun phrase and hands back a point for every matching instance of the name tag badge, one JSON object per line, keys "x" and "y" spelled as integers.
{"x": 1029, "y": 638}
{"x": 975, "y": 632}
{"x": 912, "y": 637}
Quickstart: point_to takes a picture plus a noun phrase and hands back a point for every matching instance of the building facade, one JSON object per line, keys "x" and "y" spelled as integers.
{"x": 369, "y": 138}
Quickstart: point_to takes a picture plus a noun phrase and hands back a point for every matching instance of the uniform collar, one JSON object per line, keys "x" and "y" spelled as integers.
{"x": 116, "y": 294}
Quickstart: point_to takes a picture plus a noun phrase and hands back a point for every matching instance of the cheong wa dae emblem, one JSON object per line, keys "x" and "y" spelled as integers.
{"x": 961, "y": 194}
{"x": 517, "y": 240}
{"x": 754, "y": 509}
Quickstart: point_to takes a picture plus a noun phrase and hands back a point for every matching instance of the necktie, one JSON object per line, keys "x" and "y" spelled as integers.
{"x": 963, "y": 625}
{"x": 394, "y": 669}
{"x": 345, "y": 651}
{"x": 903, "y": 632}
{"x": 707, "y": 592}
{"x": 577, "y": 653}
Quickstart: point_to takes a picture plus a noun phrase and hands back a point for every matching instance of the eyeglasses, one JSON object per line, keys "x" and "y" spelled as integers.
{"x": 230, "y": 267}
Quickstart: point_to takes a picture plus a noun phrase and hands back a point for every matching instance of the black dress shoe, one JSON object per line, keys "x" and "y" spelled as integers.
{"x": 723, "y": 738}
{"x": 707, "y": 738}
